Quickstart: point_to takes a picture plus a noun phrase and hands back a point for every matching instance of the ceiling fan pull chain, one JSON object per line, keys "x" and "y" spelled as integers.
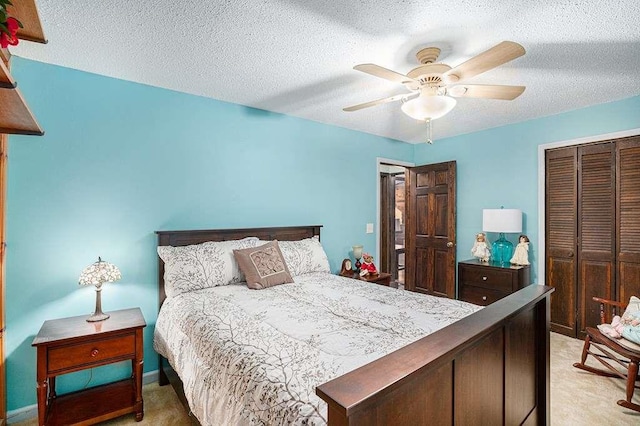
{"x": 429, "y": 131}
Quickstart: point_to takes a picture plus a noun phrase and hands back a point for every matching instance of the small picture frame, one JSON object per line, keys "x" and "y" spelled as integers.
{"x": 347, "y": 268}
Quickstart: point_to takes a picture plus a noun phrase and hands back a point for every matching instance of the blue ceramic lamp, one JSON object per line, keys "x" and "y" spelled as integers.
{"x": 502, "y": 221}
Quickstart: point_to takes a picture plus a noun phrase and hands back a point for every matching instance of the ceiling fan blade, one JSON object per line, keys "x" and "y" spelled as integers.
{"x": 387, "y": 74}
{"x": 378, "y": 102}
{"x": 488, "y": 91}
{"x": 498, "y": 55}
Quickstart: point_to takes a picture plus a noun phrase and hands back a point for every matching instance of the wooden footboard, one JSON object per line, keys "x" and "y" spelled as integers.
{"x": 490, "y": 368}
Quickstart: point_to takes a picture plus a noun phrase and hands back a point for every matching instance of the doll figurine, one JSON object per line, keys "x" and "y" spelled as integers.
{"x": 521, "y": 255}
{"x": 367, "y": 267}
{"x": 627, "y": 326}
{"x": 480, "y": 248}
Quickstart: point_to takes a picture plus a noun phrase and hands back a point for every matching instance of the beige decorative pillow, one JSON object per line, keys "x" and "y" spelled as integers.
{"x": 263, "y": 266}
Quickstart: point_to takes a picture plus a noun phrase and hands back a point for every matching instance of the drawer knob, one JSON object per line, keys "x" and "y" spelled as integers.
{"x": 484, "y": 278}
{"x": 484, "y": 297}
{"x": 94, "y": 352}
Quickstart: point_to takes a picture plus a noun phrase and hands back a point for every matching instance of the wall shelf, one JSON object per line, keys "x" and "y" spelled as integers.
{"x": 6, "y": 80}
{"x": 15, "y": 116}
{"x": 26, "y": 11}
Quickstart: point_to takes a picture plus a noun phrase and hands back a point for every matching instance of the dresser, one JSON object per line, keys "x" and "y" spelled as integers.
{"x": 72, "y": 344}
{"x": 484, "y": 283}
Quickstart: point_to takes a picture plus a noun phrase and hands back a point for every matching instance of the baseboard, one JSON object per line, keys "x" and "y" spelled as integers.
{"x": 22, "y": 414}
{"x": 150, "y": 377}
{"x": 31, "y": 411}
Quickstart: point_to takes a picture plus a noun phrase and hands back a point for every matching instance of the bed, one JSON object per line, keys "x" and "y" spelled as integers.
{"x": 376, "y": 369}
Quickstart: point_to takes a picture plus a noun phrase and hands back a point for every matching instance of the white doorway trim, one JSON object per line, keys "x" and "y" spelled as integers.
{"x": 379, "y": 162}
{"x": 541, "y": 184}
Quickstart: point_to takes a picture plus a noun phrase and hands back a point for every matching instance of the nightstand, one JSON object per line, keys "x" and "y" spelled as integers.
{"x": 484, "y": 283}
{"x": 73, "y": 344}
{"x": 381, "y": 278}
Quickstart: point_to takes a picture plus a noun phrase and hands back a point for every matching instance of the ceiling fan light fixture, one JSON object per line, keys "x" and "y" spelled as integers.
{"x": 428, "y": 107}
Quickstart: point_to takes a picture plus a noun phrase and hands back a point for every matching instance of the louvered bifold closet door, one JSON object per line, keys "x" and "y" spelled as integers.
{"x": 596, "y": 230}
{"x": 560, "y": 237}
{"x": 628, "y": 216}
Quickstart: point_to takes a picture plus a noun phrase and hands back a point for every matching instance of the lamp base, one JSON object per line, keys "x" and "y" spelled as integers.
{"x": 501, "y": 250}
{"x": 98, "y": 316}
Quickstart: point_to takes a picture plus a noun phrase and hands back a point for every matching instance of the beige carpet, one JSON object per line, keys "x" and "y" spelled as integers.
{"x": 577, "y": 397}
{"x": 581, "y": 398}
{"x": 161, "y": 408}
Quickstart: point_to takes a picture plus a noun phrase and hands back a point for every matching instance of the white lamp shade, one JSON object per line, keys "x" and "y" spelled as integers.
{"x": 428, "y": 106}
{"x": 502, "y": 220}
{"x": 357, "y": 251}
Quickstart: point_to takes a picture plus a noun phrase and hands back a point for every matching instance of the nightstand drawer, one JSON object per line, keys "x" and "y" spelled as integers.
{"x": 95, "y": 352}
{"x": 494, "y": 279}
{"x": 481, "y": 296}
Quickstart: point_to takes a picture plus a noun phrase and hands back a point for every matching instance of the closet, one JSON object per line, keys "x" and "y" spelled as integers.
{"x": 592, "y": 229}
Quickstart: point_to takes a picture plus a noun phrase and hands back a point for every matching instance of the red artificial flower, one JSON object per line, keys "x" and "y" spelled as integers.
{"x": 8, "y": 36}
{"x": 6, "y": 40}
{"x": 13, "y": 26}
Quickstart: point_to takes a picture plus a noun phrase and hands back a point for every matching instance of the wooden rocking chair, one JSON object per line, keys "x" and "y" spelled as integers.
{"x": 609, "y": 351}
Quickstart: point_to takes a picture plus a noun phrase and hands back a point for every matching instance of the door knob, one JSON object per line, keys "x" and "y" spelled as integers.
{"x": 449, "y": 244}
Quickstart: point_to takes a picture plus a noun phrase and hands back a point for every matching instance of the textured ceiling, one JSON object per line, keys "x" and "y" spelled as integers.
{"x": 296, "y": 57}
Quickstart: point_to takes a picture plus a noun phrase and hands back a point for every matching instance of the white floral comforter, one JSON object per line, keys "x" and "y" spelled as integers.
{"x": 256, "y": 356}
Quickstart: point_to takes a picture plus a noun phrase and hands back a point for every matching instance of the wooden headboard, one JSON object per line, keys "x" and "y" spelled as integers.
{"x": 185, "y": 238}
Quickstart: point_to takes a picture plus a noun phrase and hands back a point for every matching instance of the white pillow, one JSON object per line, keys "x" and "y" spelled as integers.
{"x": 304, "y": 256}
{"x": 199, "y": 266}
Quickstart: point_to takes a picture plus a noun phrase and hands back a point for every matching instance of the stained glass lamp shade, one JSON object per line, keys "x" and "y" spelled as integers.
{"x": 502, "y": 221}
{"x": 97, "y": 274}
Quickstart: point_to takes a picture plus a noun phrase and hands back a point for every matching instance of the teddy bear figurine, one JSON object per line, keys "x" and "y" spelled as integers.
{"x": 367, "y": 267}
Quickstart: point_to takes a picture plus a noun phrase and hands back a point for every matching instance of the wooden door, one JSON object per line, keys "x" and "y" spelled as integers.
{"x": 592, "y": 229}
{"x": 628, "y": 217}
{"x": 596, "y": 231}
{"x": 387, "y": 224}
{"x": 560, "y": 237}
{"x": 431, "y": 229}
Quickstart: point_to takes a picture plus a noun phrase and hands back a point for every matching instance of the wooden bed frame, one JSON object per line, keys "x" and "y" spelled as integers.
{"x": 491, "y": 367}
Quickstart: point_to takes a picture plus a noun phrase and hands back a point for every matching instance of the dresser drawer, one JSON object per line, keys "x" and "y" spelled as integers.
{"x": 480, "y": 295}
{"x": 95, "y": 352}
{"x": 498, "y": 279}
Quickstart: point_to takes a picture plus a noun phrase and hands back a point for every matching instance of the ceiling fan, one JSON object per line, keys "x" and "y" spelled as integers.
{"x": 433, "y": 86}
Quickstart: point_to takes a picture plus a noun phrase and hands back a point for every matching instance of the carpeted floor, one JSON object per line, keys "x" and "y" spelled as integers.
{"x": 577, "y": 397}
{"x": 581, "y": 398}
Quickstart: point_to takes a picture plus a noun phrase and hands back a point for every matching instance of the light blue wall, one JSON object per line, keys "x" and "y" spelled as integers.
{"x": 120, "y": 160}
{"x": 499, "y": 167}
